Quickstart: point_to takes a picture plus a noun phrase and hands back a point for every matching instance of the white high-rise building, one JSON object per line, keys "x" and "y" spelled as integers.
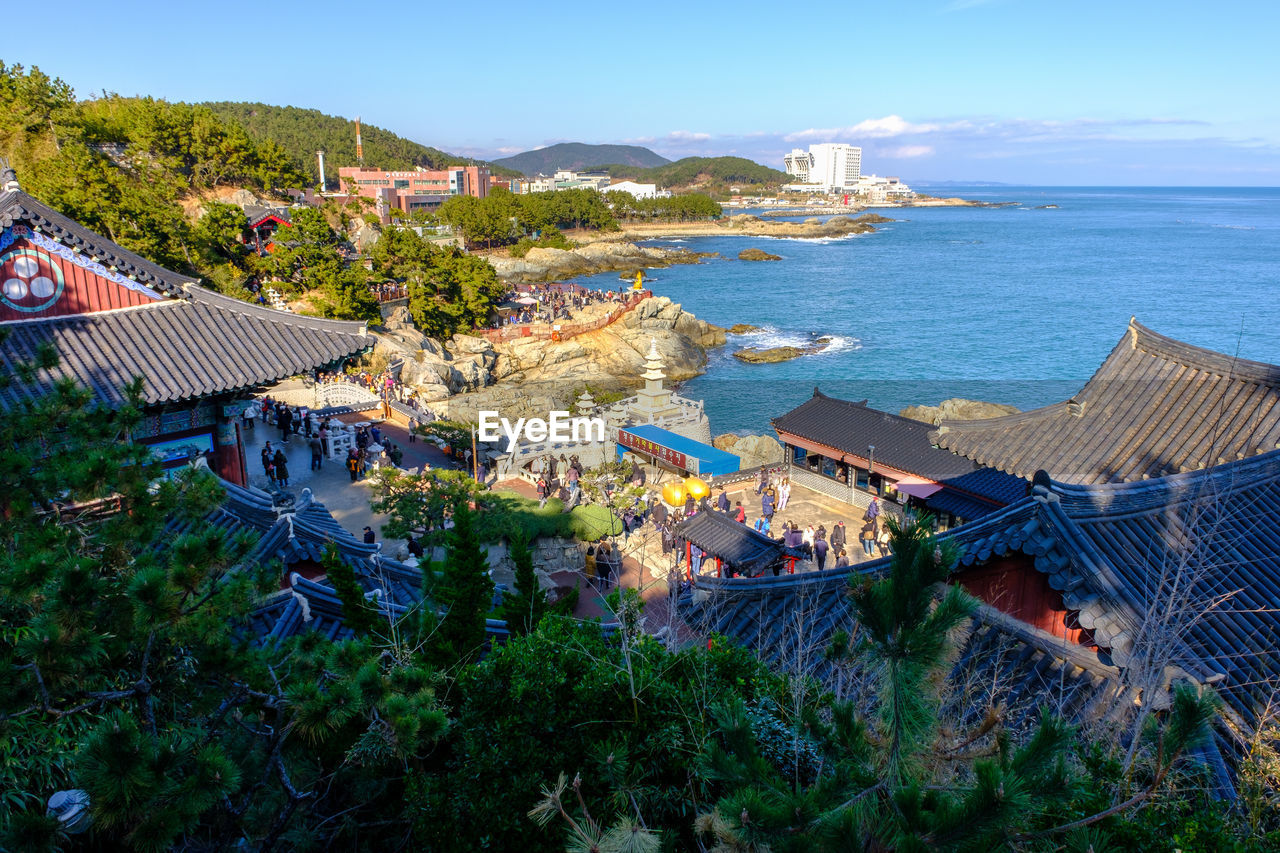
{"x": 798, "y": 163}
{"x": 829, "y": 166}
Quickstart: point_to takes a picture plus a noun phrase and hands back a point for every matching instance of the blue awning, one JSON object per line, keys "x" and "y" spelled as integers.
{"x": 677, "y": 451}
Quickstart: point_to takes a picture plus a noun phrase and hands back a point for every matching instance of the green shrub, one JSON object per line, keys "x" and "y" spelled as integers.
{"x": 594, "y": 522}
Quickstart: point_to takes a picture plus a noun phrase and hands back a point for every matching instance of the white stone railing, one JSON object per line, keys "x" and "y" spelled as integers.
{"x": 840, "y": 491}
{"x": 345, "y": 394}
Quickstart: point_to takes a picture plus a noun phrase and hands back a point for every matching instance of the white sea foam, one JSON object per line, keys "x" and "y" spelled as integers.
{"x": 769, "y": 336}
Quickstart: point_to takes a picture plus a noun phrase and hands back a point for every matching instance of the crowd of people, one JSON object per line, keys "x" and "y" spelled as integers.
{"x": 555, "y": 303}
{"x": 316, "y": 430}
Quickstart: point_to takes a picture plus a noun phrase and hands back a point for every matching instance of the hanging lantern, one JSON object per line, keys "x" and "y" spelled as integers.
{"x": 673, "y": 494}
{"x": 698, "y": 488}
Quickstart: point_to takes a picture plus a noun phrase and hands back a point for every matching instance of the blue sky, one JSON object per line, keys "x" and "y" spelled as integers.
{"x": 1021, "y": 91}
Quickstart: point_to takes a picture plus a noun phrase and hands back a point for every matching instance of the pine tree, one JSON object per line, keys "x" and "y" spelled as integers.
{"x": 524, "y": 606}
{"x": 464, "y": 592}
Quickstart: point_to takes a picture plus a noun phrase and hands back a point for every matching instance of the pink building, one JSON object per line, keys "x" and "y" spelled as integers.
{"x": 412, "y": 190}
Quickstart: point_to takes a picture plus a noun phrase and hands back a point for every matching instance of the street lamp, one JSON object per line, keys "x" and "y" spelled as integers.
{"x": 871, "y": 459}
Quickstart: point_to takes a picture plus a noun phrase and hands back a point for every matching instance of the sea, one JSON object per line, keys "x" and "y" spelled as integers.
{"x": 1016, "y": 304}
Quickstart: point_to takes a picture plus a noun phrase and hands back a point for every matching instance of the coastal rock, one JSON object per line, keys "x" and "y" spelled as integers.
{"x": 874, "y": 219}
{"x": 753, "y": 450}
{"x": 836, "y": 226}
{"x": 957, "y": 409}
{"x": 544, "y": 264}
{"x": 751, "y": 355}
{"x": 742, "y": 328}
{"x": 757, "y": 255}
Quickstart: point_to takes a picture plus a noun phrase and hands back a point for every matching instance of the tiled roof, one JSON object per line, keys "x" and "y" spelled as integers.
{"x": 1202, "y": 547}
{"x": 1156, "y": 406}
{"x": 204, "y": 343}
{"x": 977, "y": 494}
{"x": 18, "y": 207}
{"x": 192, "y": 344}
{"x": 742, "y": 548}
{"x": 848, "y": 427}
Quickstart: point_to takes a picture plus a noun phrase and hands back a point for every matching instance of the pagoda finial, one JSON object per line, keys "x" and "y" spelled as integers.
{"x": 654, "y": 355}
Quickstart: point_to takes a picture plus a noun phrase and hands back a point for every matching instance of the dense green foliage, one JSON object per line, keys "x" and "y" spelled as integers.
{"x": 302, "y": 132}
{"x": 449, "y": 290}
{"x": 708, "y": 172}
{"x": 122, "y": 166}
{"x": 503, "y": 218}
{"x": 551, "y": 237}
{"x": 681, "y": 208}
{"x": 578, "y": 156}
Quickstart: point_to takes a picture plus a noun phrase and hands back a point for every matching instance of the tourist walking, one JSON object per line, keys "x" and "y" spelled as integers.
{"x": 284, "y": 420}
{"x": 740, "y": 515}
{"x": 722, "y": 502}
{"x": 868, "y": 537}
{"x": 784, "y": 494}
{"x": 838, "y": 537}
{"x": 842, "y": 559}
{"x": 281, "y": 464}
{"x": 268, "y": 464}
{"x": 766, "y": 505}
{"x": 317, "y": 452}
{"x": 820, "y": 547}
{"x": 543, "y": 491}
{"x": 353, "y": 464}
{"x": 369, "y": 537}
{"x": 882, "y": 542}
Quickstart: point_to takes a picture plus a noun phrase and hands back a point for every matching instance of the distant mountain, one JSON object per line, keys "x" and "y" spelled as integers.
{"x": 304, "y": 132}
{"x": 578, "y": 156}
{"x": 703, "y": 172}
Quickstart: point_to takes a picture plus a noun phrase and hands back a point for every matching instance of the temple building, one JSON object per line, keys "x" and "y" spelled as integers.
{"x": 1156, "y": 406}
{"x": 114, "y": 316}
{"x": 1096, "y": 600}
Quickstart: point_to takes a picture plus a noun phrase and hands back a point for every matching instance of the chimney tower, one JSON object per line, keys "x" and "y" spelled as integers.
{"x": 324, "y": 187}
{"x": 359, "y": 144}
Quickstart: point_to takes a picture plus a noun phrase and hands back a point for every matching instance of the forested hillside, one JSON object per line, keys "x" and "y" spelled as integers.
{"x": 303, "y": 132}
{"x": 579, "y": 155}
{"x": 703, "y": 172}
{"x": 123, "y": 166}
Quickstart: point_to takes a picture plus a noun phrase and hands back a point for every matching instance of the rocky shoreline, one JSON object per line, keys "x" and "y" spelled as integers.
{"x": 601, "y": 256}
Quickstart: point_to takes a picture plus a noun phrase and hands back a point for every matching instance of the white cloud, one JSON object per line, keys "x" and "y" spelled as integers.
{"x": 908, "y": 151}
{"x": 687, "y": 136}
{"x": 872, "y": 128}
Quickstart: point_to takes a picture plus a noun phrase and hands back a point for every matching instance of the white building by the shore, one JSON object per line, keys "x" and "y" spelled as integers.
{"x": 828, "y": 167}
{"x": 637, "y": 190}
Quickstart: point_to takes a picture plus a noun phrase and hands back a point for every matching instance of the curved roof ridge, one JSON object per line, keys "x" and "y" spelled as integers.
{"x": 1251, "y": 470}
{"x": 17, "y": 205}
{"x": 947, "y": 426}
{"x": 1152, "y": 342}
{"x": 199, "y": 293}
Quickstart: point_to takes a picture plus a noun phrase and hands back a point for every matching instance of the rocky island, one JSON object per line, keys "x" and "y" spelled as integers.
{"x": 751, "y": 355}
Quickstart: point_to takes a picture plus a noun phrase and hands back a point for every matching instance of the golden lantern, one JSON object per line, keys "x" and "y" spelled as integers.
{"x": 698, "y": 488}
{"x": 673, "y": 493}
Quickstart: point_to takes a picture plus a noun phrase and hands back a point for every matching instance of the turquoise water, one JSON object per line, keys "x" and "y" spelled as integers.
{"x": 1013, "y": 304}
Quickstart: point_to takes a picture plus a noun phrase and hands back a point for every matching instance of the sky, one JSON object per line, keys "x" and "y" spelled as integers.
{"x": 1015, "y": 91}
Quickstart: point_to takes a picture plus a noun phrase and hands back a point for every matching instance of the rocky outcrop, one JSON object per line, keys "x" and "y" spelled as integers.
{"x": 757, "y": 255}
{"x": 751, "y": 355}
{"x": 742, "y": 328}
{"x": 753, "y": 450}
{"x": 814, "y": 228}
{"x": 957, "y": 409}
{"x": 542, "y": 264}
{"x": 531, "y": 375}
{"x": 613, "y": 357}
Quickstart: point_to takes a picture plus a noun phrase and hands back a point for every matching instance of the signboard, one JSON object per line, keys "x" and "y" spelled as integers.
{"x": 643, "y": 445}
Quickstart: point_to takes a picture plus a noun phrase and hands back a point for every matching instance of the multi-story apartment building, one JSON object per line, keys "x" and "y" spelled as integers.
{"x": 419, "y": 188}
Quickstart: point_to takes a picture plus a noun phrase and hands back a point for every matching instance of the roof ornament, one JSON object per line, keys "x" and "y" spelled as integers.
{"x": 8, "y": 177}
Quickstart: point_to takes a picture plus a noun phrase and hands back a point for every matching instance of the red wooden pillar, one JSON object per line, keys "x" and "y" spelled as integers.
{"x": 688, "y": 559}
{"x": 229, "y": 451}
{"x": 719, "y": 567}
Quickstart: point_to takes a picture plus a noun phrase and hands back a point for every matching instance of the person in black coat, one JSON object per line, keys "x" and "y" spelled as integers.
{"x": 838, "y": 537}
{"x": 722, "y": 502}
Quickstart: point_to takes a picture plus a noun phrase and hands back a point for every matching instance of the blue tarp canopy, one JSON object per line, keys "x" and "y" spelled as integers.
{"x": 676, "y": 450}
